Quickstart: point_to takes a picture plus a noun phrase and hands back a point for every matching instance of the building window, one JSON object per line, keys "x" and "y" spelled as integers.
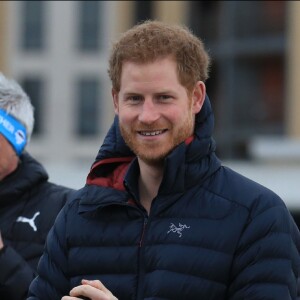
{"x": 90, "y": 27}
{"x": 88, "y": 104}
{"x": 143, "y": 11}
{"x": 33, "y": 25}
{"x": 34, "y": 87}
{"x": 269, "y": 18}
{"x": 247, "y": 74}
{"x": 262, "y": 111}
{"x": 209, "y": 11}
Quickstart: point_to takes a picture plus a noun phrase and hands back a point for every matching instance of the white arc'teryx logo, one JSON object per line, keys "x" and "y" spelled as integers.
{"x": 178, "y": 229}
{"x": 29, "y": 221}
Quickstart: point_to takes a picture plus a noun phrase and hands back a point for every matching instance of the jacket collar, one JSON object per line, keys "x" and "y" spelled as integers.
{"x": 188, "y": 164}
{"x": 29, "y": 173}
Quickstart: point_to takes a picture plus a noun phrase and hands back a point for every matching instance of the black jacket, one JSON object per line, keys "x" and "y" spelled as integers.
{"x": 25, "y": 195}
{"x": 211, "y": 233}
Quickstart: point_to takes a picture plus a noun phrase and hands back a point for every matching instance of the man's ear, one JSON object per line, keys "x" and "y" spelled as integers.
{"x": 115, "y": 100}
{"x": 198, "y": 96}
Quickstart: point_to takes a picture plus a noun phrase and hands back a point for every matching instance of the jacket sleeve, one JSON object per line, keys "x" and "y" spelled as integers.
{"x": 266, "y": 264}
{"x": 52, "y": 282}
{"x": 15, "y": 272}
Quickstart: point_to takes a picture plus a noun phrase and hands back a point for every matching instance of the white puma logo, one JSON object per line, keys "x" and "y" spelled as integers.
{"x": 29, "y": 221}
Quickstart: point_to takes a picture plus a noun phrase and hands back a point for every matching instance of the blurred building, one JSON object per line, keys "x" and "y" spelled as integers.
{"x": 58, "y": 51}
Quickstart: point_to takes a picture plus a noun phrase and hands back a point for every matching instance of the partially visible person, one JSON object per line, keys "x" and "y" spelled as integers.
{"x": 160, "y": 217}
{"x": 29, "y": 203}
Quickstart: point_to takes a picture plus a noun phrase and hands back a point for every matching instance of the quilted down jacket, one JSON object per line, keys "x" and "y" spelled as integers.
{"x": 29, "y": 205}
{"x": 211, "y": 233}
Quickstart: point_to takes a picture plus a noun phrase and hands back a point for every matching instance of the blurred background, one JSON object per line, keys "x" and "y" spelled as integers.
{"x": 58, "y": 51}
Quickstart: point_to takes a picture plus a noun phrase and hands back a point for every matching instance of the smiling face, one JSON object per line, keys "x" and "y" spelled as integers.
{"x": 155, "y": 111}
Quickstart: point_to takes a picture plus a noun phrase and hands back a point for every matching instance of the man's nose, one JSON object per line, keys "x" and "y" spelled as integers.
{"x": 149, "y": 112}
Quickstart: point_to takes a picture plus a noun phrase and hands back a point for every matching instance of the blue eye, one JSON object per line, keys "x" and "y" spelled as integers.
{"x": 164, "y": 97}
{"x": 134, "y": 98}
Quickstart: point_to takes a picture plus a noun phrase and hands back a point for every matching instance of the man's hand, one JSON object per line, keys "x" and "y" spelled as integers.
{"x": 1, "y": 242}
{"x": 92, "y": 289}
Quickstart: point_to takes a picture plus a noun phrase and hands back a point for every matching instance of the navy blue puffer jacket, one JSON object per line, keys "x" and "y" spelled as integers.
{"x": 211, "y": 234}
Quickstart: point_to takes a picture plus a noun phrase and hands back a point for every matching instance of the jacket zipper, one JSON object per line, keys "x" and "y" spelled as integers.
{"x": 143, "y": 231}
{"x": 141, "y": 270}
